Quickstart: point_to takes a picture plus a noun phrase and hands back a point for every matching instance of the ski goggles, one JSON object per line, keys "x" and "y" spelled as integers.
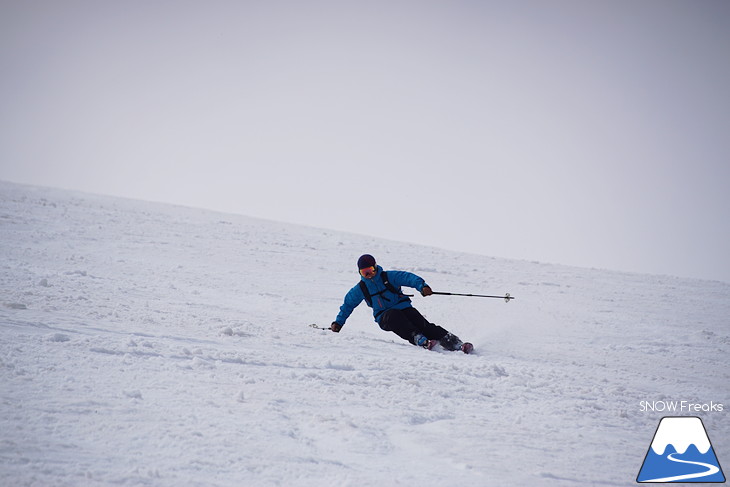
{"x": 368, "y": 271}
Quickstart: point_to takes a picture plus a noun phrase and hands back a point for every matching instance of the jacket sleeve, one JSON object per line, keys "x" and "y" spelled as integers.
{"x": 352, "y": 299}
{"x": 408, "y": 279}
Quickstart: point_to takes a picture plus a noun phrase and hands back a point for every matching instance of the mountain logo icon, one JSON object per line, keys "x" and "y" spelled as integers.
{"x": 681, "y": 452}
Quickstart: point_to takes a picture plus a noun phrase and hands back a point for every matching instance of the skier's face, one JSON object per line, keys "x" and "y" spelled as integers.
{"x": 368, "y": 272}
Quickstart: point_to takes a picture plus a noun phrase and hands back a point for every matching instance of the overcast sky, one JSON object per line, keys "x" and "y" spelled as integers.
{"x": 590, "y": 133}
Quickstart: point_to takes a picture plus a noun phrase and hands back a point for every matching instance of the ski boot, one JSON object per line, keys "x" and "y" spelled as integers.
{"x": 419, "y": 340}
{"x": 453, "y": 343}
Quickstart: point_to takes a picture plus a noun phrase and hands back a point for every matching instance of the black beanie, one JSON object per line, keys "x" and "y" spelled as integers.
{"x": 365, "y": 261}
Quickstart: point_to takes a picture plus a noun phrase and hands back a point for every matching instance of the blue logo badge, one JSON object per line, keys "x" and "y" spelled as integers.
{"x": 681, "y": 452}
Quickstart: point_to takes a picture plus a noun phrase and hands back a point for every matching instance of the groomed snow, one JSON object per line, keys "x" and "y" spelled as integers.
{"x": 147, "y": 344}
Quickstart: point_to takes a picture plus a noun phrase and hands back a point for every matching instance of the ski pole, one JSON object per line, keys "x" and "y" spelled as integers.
{"x": 317, "y": 327}
{"x": 506, "y": 297}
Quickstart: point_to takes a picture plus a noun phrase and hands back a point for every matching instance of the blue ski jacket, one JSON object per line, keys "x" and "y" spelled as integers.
{"x": 383, "y": 299}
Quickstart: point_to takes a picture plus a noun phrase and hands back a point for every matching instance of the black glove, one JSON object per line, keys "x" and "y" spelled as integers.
{"x": 426, "y": 291}
{"x": 336, "y": 327}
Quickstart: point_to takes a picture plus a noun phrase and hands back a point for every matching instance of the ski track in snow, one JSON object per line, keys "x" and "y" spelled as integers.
{"x": 146, "y": 344}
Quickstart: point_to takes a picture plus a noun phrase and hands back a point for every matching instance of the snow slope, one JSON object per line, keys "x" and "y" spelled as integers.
{"x": 147, "y": 344}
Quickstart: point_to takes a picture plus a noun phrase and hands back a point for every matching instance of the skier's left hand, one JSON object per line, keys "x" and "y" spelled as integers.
{"x": 426, "y": 291}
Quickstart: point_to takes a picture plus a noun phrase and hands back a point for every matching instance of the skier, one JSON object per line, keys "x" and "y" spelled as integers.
{"x": 392, "y": 310}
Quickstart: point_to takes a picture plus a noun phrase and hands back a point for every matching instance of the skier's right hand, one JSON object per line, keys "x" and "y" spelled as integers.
{"x": 336, "y": 327}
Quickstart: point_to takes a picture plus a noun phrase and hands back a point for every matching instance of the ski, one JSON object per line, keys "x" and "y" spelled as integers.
{"x": 464, "y": 347}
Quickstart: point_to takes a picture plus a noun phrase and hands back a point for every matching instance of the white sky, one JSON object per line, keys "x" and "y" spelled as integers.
{"x": 591, "y": 133}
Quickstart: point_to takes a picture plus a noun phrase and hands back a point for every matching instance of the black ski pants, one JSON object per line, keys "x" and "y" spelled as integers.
{"x": 406, "y": 322}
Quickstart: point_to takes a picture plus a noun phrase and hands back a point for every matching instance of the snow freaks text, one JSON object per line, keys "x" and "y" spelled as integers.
{"x": 680, "y": 407}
